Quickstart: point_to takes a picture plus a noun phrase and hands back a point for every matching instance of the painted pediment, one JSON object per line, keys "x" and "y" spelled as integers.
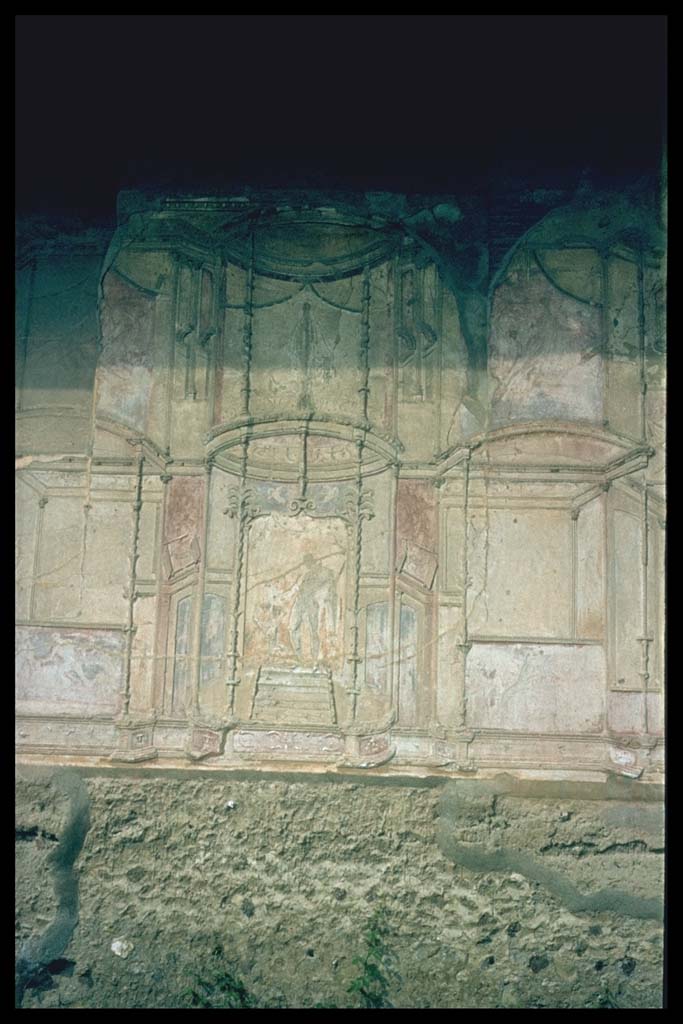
{"x": 562, "y": 445}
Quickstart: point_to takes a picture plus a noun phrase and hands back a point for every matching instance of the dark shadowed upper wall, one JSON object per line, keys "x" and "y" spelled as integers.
{"x": 408, "y": 103}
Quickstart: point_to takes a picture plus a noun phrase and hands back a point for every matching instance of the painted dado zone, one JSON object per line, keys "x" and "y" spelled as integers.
{"x": 305, "y": 482}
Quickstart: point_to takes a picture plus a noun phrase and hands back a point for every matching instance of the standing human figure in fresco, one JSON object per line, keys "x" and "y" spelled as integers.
{"x": 313, "y": 352}
{"x": 268, "y": 618}
{"x": 316, "y": 596}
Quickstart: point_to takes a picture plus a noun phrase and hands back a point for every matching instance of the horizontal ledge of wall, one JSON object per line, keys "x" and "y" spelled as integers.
{"x": 548, "y": 755}
{"x": 71, "y": 624}
{"x": 522, "y": 783}
{"x": 538, "y": 641}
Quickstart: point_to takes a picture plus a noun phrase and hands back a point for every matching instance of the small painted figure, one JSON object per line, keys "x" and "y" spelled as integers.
{"x": 315, "y": 607}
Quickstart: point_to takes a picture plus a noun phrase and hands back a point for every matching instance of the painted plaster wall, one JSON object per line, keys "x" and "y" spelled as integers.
{"x": 304, "y": 486}
{"x": 263, "y": 442}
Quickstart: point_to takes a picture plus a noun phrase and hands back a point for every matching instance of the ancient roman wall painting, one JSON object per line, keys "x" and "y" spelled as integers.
{"x": 295, "y": 510}
{"x": 295, "y": 593}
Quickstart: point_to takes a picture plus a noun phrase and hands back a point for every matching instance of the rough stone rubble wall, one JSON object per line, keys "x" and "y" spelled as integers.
{"x": 509, "y": 894}
{"x": 338, "y": 485}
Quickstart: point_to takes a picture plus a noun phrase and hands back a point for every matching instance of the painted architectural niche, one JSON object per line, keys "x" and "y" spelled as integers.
{"x": 271, "y": 507}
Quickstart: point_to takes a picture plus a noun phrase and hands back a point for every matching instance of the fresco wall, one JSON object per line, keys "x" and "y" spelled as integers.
{"x": 283, "y": 497}
{"x": 339, "y": 567}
